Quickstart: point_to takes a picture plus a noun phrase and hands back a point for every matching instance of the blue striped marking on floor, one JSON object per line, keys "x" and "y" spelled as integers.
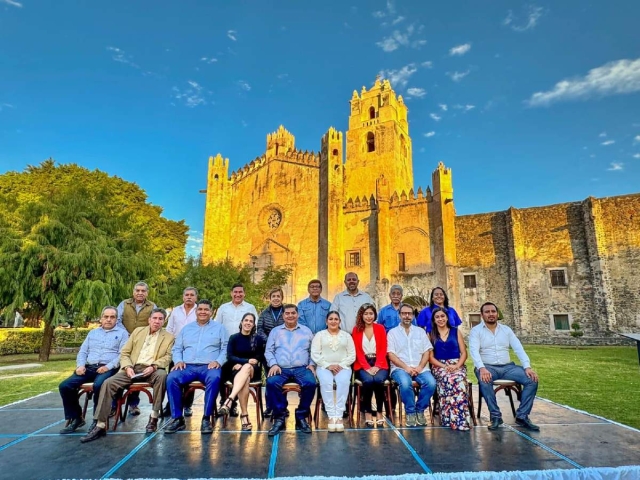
{"x": 409, "y": 447}
{"x": 274, "y": 456}
{"x": 24, "y": 437}
{"x": 544, "y": 447}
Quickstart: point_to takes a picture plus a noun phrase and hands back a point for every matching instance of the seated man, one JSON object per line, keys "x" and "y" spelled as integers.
{"x": 489, "y": 344}
{"x": 97, "y": 360}
{"x": 199, "y": 352}
{"x": 288, "y": 354}
{"x": 145, "y": 356}
{"x": 409, "y": 351}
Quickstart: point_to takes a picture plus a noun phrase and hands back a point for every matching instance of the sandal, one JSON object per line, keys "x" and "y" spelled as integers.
{"x": 368, "y": 423}
{"x": 226, "y": 407}
{"x": 380, "y": 422}
{"x": 245, "y": 426}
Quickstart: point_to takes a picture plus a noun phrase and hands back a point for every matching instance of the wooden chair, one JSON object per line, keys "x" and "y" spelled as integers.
{"x": 320, "y": 402}
{"x": 255, "y": 391}
{"x": 192, "y": 387}
{"x": 121, "y": 407}
{"x": 508, "y": 386}
{"x": 387, "y": 399}
{"x": 416, "y": 391}
{"x": 294, "y": 387}
{"x": 85, "y": 389}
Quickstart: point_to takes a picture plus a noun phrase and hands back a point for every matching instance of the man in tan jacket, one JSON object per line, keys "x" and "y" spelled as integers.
{"x": 144, "y": 358}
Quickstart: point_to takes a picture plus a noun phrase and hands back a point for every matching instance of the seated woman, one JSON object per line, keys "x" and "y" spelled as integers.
{"x": 245, "y": 357}
{"x": 447, "y": 360}
{"x": 333, "y": 352}
{"x": 372, "y": 366}
{"x": 438, "y": 299}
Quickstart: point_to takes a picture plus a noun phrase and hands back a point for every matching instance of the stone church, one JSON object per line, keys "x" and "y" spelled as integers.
{"x": 352, "y": 206}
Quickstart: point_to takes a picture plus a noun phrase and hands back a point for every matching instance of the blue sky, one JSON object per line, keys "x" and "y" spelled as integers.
{"x": 529, "y": 103}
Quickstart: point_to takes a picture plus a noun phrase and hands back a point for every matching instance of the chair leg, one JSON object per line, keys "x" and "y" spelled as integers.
{"x": 470, "y": 401}
{"x": 479, "y": 402}
{"x": 87, "y": 396}
{"x": 316, "y": 413}
{"x": 513, "y": 407}
{"x": 358, "y": 406}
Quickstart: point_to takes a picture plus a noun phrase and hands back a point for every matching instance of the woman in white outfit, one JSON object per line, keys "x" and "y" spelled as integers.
{"x": 333, "y": 352}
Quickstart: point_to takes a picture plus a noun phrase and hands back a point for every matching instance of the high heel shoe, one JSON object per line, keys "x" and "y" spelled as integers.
{"x": 226, "y": 407}
{"x": 245, "y": 426}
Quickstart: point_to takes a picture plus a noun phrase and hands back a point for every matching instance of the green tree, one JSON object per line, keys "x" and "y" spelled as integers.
{"x": 73, "y": 244}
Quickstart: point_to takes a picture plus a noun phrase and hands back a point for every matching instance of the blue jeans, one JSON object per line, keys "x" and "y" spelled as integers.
{"x": 427, "y": 387}
{"x": 514, "y": 372}
{"x": 300, "y": 375}
{"x": 210, "y": 377}
{"x": 69, "y": 389}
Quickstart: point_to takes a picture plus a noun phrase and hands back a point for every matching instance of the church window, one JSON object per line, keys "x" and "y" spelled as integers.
{"x": 353, "y": 258}
{"x": 335, "y": 152}
{"x": 371, "y": 142}
{"x": 215, "y": 177}
{"x": 402, "y": 266}
{"x": 372, "y": 113}
{"x": 558, "y": 277}
{"x": 474, "y": 319}
{"x": 470, "y": 280}
{"x": 561, "y": 321}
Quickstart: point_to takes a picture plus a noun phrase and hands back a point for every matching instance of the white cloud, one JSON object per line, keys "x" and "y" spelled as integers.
{"x": 530, "y": 19}
{"x": 613, "y": 78}
{"x": 399, "y": 39}
{"x": 443, "y": 107}
{"x": 390, "y": 10}
{"x": 428, "y": 64}
{"x": 208, "y": 60}
{"x": 120, "y": 56}
{"x": 5, "y": 105}
{"x": 457, "y": 76}
{"x": 608, "y": 142}
{"x": 282, "y": 76}
{"x": 13, "y": 3}
{"x": 399, "y": 78}
{"x": 244, "y": 85}
{"x": 637, "y": 155}
{"x": 460, "y": 49}
{"x": 603, "y": 135}
{"x": 232, "y": 35}
{"x": 435, "y": 116}
{"x": 469, "y": 107}
{"x": 397, "y": 20}
{"x": 416, "y": 92}
{"x": 430, "y": 134}
{"x": 636, "y": 139}
{"x": 194, "y": 243}
{"x": 192, "y": 96}
{"x": 379, "y": 14}
{"x": 616, "y": 167}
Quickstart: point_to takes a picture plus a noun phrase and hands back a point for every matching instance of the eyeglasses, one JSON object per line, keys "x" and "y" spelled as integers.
{"x": 406, "y": 313}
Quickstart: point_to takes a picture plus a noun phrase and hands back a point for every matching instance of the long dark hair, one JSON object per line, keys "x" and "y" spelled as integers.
{"x": 252, "y": 334}
{"x": 446, "y": 299}
{"x": 359, "y": 317}
{"x": 435, "y": 334}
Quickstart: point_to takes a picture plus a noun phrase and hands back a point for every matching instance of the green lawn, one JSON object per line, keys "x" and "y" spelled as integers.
{"x": 600, "y": 380}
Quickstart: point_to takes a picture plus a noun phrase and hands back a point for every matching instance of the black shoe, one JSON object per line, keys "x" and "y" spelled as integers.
{"x": 134, "y": 410}
{"x": 205, "y": 426}
{"x": 345, "y": 414}
{"x": 94, "y": 434}
{"x": 188, "y": 412}
{"x": 277, "y": 427}
{"x": 73, "y": 425}
{"x": 175, "y": 425}
{"x": 303, "y": 425}
{"x": 268, "y": 413}
{"x": 495, "y": 423}
{"x": 92, "y": 426}
{"x": 526, "y": 423}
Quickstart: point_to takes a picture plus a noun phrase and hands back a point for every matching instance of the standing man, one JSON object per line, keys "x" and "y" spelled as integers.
{"x": 134, "y": 313}
{"x": 199, "y": 353}
{"x": 409, "y": 351}
{"x": 389, "y": 316}
{"x": 288, "y": 354}
{"x": 229, "y": 314}
{"x": 179, "y": 317}
{"x": 145, "y": 356}
{"x": 97, "y": 360}
{"x": 348, "y": 302}
{"x": 314, "y": 309}
{"x": 489, "y": 344}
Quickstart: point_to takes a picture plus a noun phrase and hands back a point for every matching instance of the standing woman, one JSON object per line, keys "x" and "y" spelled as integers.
{"x": 449, "y": 355}
{"x": 438, "y": 299}
{"x": 245, "y": 357}
{"x": 333, "y": 352}
{"x": 372, "y": 366}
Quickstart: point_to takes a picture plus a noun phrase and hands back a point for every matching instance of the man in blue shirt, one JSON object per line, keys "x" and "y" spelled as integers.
{"x": 199, "y": 353}
{"x": 288, "y": 354}
{"x": 313, "y": 310}
{"x": 389, "y": 316}
{"x": 97, "y": 360}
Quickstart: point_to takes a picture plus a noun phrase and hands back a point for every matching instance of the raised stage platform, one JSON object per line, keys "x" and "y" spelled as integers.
{"x": 569, "y": 444}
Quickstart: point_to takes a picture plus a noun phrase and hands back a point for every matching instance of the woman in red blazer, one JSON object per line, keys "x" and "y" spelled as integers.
{"x": 371, "y": 366}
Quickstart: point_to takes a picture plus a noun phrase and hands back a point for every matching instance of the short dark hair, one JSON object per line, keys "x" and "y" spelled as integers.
{"x": 159, "y": 310}
{"x": 287, "y": 306}
{"x": 204, "y": 301}
{"x": 485, "y": 304}
{"x": 237, "y": 285}
{"x": 315, "y": 280}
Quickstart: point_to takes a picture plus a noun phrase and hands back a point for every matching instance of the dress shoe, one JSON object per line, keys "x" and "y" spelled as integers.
{"x": 176, "y": 425}
{"x": 528, "y": 424}
{"x": 206, "y": 427}
{"x": 152, "y": 426}
{"x": 74, "y": 424}
{"x": 303, "y": 425}
{"x": 188, "y": 411}
{"x": 94, "y": 434}
{"x": 277, "y": 427}
{"x": 92, "y": 426}
{"x": 495, "y": 423}
{"x": 134, "y": 410}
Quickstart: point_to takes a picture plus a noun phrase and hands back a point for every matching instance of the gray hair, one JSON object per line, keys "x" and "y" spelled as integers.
{"x": 108, "y": 307}
{"x": 141, "y": 284}
{"x": 161, "y": 310}
{"x": 396, "y": 287}
{"x": 193, "y": 289}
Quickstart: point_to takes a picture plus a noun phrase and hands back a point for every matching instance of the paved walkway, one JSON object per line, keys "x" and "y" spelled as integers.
{"x": 23, "y": 365}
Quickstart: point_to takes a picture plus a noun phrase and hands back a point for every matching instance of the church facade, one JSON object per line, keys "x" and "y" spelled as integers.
{"x": 352, "y": 207}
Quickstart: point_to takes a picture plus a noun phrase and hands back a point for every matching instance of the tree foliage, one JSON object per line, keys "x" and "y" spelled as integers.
{"x": 74, "y": 240}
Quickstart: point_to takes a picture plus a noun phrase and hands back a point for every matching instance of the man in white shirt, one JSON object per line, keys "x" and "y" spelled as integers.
{"x": 230, "y": 314}
{"x": 348, "y": 302}
{"x": 409, "y": 351}
{"x": 489, "y": 344}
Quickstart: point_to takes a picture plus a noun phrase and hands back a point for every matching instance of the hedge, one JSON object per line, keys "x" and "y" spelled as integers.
{"x": 29, "y": 340}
